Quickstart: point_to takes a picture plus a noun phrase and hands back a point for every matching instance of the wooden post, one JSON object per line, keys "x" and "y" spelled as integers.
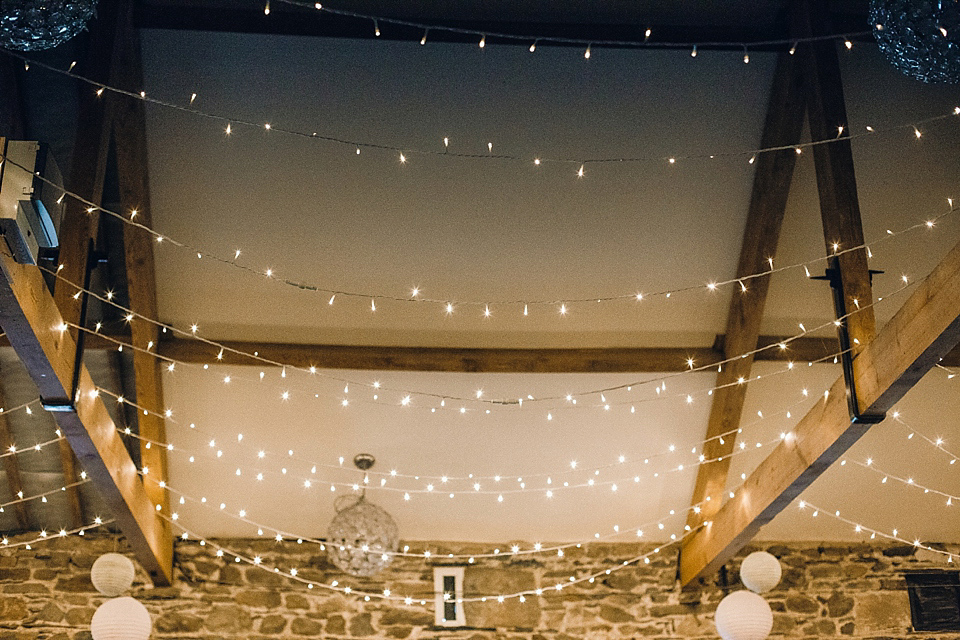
{"x": 768, "y": 202}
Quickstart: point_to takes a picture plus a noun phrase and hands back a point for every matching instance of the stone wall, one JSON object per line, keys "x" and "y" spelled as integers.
{"x": 830, "y": 590}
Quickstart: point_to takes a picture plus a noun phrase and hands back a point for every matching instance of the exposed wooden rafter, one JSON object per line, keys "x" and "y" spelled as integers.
{"x": 34, "y": 325}
{"x": 768, "y": 202}
{"x": 467, "y": 360}
{"x": 925, "y": 329}
{"x": 836, "y": 178}
{"x": 828, "y": 430}
{"x": 79, "y": 227}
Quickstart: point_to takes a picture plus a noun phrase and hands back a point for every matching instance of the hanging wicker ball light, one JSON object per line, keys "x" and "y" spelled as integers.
{"x": 362, "y": 536}
{"x": 921, "y": 38}
{"x": 34, "y": 25}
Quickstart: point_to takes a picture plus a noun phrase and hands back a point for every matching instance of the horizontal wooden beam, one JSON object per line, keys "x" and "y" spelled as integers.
{"x": 36, "y": 331}
{"x": 465, "y": 360}
{"x": 628, "y": 23}
{"x": 922, "y": 332}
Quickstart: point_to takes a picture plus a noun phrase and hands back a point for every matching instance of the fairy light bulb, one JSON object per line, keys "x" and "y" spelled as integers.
{"x": 533, "y": 46}
{"x": 848, "y": 44}
{"x": 586, "y": 54}
{"x": 483, "y": 41}
{"x": 793, "y": 49}
{"x": 266, "y": 8}
{"x": 376, "y": 28}
{"x": 580, "y": 171}
{"x": 423, "y": 40}
{"x": 693, "y": 53}
{"x": 746, "y": 56}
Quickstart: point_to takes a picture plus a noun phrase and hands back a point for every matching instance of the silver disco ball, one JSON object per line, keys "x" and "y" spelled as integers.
{"x": 32, "y": 25}
{"x": 361, "y": 537}
{"x": 921, "y": 38}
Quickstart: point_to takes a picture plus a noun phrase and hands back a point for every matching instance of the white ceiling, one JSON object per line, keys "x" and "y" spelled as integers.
{"x": 490, "y": 230}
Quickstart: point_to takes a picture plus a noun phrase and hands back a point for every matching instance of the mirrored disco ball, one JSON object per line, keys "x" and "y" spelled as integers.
{"x": 921, "y": 38}
{"x": 359, "y": 536}
{"x": 32, "y": 25}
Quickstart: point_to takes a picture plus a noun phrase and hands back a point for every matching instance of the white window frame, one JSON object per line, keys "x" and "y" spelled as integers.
{"x": 439, "y": 573}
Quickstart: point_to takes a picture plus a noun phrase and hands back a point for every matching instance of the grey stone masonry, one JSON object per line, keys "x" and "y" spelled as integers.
{"x": 830, "y": 590}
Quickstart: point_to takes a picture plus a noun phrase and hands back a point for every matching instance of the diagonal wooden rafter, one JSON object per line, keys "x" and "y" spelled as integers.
{"x": 925, "y": 329}
{"x": 836, "y": 178}
{"x": 34, "y": 325}
{"x": 79, "y": 226}
{"x": 768, "y": 202}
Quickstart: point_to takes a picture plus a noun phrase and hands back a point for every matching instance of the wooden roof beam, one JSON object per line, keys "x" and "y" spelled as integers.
{"x": 79, "y": 227}
{"x": 36, "y": 331}
{"x": 836, "y": 178}
{"x": 768, "y": 202}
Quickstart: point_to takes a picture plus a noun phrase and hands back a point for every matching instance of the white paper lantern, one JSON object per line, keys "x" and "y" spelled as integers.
{"x": 121, "y": 619}
{"x": 112, "y": 574}
{"x": 743, "y": 615}
{"x": 760, "y": 571}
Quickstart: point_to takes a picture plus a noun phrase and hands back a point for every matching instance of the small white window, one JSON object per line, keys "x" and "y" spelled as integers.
{"x": 448, "y": 587}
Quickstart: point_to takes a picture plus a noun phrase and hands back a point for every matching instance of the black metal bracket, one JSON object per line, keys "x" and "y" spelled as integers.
{"x": 94, "y": 259}
{"x": 832, "y": 275}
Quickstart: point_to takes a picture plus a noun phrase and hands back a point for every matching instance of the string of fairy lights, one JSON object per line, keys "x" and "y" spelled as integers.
{"x": 447, "y": 305}
{"x": 25, "y": 406}
{"x": 636, "y": 532}
{"x": 231, "y": 124}
{"x": 935, "y": 442}
{"x": 168, "y": 413}
{"x": 549, "y": 488}
{"x": 294, "y": 573}
{"x": 534, "y": 40}
{"x": 859, "y": 528}
{"x": 443, "y": 483}
{"x": 386, "y": 594}
{"x": 44, "y": 536}
{"x": 908, "y": 480}
{"x": 408, "y": 396}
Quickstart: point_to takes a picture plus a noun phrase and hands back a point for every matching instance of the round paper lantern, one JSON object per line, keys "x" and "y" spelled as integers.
{"x": 112, "y": 574}
{"x": 743, "y": 615}
{"x": 921, "y": 38}
{"x": 760, "y": 571}
{"x": 121, "y": 619}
